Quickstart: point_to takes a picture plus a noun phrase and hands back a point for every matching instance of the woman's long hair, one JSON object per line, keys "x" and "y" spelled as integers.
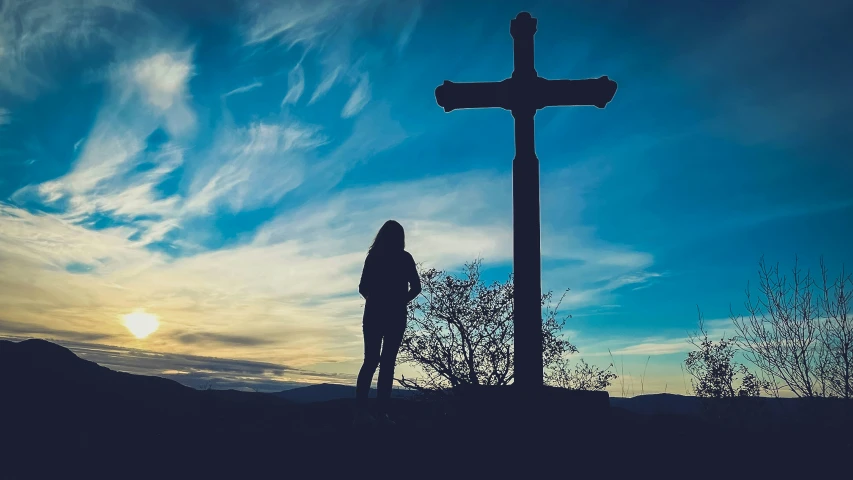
{"x": 390, "y": 237}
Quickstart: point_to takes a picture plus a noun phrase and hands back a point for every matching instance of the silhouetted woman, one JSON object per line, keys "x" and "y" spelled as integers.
{"x": 388, "y": 271}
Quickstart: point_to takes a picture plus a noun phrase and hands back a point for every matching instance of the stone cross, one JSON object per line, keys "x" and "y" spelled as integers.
{"x": 522, "y": 94}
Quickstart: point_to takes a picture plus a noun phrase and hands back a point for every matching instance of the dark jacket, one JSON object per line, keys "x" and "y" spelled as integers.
{"x": 385, "y": 282}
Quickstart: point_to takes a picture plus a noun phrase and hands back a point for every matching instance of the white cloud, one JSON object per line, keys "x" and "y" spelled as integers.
{"x": 146, "y": 94}
{"x": 109, "y": 151}
{"x": 678, "y": 345}
{"x": 591, "y": 268}
{"x": 246, "y": 167}
{"x": 359, "y": 97}
{"x": 326, "y": 84}
{"x": 593, "y": 279}
{"x": 439, "y": 232}
{"x": 661, "y": 343}
{"x": 103, "y": 180}
{"x": 50, "y": 241}
{"x": 295, "y": 85}
{"x": 163, "y": 77}
{"x": 5, "y": 116}
{"x": 252, "y": 166}
{"x": 244, "y": 89}
{"x": 161, "y": 80}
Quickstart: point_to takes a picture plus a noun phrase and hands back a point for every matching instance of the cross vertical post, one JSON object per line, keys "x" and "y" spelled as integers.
{"x": 526, "y": 254}
{"x": 523, "y": 94}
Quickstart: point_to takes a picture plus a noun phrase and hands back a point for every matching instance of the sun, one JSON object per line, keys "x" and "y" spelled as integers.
{"x": 141, "y": 324}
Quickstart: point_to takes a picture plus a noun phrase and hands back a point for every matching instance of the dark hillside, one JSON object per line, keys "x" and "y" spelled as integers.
{"x": 66, "y": 416}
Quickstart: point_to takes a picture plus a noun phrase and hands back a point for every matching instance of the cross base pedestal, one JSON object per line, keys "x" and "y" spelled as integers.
{"x": 501, "y": 407}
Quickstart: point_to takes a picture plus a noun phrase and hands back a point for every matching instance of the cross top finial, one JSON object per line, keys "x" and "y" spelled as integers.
{"x": 523, "y": 24}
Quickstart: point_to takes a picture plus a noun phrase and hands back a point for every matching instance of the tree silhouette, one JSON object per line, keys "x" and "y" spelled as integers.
{"x": 460, "y": 331}
{"x": 799, "y": 333}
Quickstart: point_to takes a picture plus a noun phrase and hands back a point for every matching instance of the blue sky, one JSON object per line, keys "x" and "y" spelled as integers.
{"x": 224, "y": 165}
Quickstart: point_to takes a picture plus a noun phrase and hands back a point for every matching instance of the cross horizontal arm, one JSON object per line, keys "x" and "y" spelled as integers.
{"x": 592, "y": 91}
{"x": 451, "y": 95}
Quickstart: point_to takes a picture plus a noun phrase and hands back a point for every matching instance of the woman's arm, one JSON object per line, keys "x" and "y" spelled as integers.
{"x": 364, "y": 283}
{"x": 414, "y": 280}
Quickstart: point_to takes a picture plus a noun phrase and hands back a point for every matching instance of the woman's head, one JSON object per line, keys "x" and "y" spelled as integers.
{"x": 390, "y": 237}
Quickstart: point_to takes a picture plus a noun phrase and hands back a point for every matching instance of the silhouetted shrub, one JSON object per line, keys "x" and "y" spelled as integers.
{"x": 715, "y": 372}
{"x": 460, "y": 331}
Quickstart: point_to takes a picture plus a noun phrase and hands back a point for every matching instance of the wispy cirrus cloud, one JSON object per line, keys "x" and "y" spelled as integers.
{"x": 359, "y": 98}
{"x": 105, "y": 181}
{"x": 295, "y": 85}
{"x": 119, "y": 169}
{"x": 243, "y": 89}
{"x": 428, "y": 208}
{"x": 253, "y": 166}
{"x": 328, "y": 80}
{"x": 573, "y": 255}
{"x": 160, "y": 80}
{"x": 660, "y": 347}
{"x": 665, "y": 343}
{"x": 291, "y": 23}
{"x": 107, "y": 176}
{"x": 325, "y": 26}
{"x": 328, "y": 28}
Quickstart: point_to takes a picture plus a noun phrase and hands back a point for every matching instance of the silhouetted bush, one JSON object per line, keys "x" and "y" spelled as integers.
{"x": 582, "y": 376}
{"x": 715, "y": 373}
{"x": 727, "y": 389}
{"x": 460, "y": 331}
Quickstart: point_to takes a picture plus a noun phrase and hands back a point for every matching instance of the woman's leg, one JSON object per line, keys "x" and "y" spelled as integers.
{"x": 372, "y": 345}
{"x": 390, "y": 346}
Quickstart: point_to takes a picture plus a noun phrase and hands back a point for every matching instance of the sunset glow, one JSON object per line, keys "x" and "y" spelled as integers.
{"x": 141, "y": 324}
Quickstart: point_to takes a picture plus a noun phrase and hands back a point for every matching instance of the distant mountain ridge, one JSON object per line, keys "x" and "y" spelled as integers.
{"x": 46, "y": 379}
